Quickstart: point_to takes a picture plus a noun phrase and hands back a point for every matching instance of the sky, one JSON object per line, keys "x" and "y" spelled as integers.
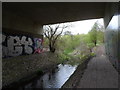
{"x": 82, "y": 27}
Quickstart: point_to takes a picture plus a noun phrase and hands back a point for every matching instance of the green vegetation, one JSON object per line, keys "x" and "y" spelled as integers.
{"x": 97, "y": 34}
{"x": 51, "y": 33}
{"x": 77, "y": 48}
{"x": 92, "y": 54}
{"x": 63, "y": 57}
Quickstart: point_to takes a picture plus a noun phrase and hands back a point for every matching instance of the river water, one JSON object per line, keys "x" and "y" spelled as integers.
{"x": 53, "y": 79}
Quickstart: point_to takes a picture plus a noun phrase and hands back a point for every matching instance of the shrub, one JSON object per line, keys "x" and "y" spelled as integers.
{"x": 63, "y": 57}
{"x": 92, "y": 54}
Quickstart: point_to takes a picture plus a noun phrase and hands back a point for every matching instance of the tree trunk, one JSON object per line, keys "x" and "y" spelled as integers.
{"x": 52, "y": 49}
{"x": 95, "y": 43}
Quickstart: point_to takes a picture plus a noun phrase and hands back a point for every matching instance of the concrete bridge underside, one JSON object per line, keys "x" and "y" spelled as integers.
{"x": 22, "y": 26}
{"x": 33, "y": 15}
{"x": 26, "y": 19}
{"x": 49, "y": 13}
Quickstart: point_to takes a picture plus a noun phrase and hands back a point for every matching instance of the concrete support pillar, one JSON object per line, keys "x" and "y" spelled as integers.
{"x": 111, "y": 33}
{"x": 0, "y": 46}
{"x": 111, "y": 9}
{"x": 17, "y": 22}
{"x": 38, "y": 28}
{"x": 20, "y": 35}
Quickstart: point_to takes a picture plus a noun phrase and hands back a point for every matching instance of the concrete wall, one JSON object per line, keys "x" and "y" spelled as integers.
{"x": 20, "y": 36}
{"x": 110, "y": 10}
{"x": 19, "y": 44}
{"x": 111, "y": 33}
{"x": 16, "y": 22}
{"x": 21, "y": 68}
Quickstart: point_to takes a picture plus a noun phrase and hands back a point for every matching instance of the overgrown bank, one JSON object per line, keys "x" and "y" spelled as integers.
{"x": 22, "y": 69}
{"x": 77, "y": 75}
{"x": 19, "y": 69}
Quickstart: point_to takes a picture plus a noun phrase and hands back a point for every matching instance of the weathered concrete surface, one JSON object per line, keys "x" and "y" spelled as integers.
{"x": 43, "y": 13}
{"x": 16, "y": 68}
{"x": 99, "y": 73}
{"x": 19, "y": 23}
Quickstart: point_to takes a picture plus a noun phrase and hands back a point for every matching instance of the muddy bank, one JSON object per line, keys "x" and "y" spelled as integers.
{"x": 76, "y": 76}
{"x": 24, "y": 68}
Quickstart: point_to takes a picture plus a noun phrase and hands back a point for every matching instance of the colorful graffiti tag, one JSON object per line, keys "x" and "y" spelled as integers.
{"x": 38, "y": 45}
{"x": 15, "y": 45}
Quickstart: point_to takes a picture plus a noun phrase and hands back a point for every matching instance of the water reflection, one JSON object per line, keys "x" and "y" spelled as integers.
{"x": 53, "y": 79}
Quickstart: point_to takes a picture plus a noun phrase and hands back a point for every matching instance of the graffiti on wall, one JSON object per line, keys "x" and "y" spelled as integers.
{"x": 20, "y": 45}
{"x": 38, "y": 45}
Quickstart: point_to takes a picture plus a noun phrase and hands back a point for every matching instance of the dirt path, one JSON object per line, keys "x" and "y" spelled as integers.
{"x": 99, "y": 73}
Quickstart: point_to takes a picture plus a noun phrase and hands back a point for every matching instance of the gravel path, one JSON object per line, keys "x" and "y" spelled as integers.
{"x": 99, "y": 73}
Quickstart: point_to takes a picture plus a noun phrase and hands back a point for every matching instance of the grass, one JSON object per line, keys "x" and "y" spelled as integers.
{"x": 67, "y": 51}
{"x": 63, "y": 57}
{"x": 74, "y": 60}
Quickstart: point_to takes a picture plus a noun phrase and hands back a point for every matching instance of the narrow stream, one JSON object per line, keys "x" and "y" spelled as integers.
{"x": 53, "y": 80}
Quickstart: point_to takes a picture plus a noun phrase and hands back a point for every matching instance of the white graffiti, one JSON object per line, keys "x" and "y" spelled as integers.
{"x": 14, "y": 49}
{"x": 23, "y": 41}
{"x": 4, "y": 48}
{"x": 3, "y": 38}
{"x": 15, "y": 45}
{"x": 28, "y": 49}
{"x": 4, "y": 51}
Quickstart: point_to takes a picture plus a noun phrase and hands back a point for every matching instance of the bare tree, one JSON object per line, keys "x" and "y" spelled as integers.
{"x": 52, "y": 32}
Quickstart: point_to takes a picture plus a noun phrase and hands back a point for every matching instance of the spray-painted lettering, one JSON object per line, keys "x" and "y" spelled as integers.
{"x": 20, "y": 45}
{"x": 38, "y": 45}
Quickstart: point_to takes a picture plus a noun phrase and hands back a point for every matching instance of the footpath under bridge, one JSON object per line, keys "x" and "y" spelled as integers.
{"x": 26, "y": 20}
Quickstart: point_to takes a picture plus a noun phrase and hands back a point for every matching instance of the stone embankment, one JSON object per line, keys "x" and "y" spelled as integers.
{"x": 19, "y": 68}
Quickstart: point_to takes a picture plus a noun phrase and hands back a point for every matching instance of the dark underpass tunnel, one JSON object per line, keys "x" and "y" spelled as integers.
{"x": 60, "y": 45}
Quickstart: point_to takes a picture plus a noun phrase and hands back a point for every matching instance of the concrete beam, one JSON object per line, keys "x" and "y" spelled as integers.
{"x": 19, "y": 23}
{"x": 53, "y": 12}
{"x": 111, "y": 9}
